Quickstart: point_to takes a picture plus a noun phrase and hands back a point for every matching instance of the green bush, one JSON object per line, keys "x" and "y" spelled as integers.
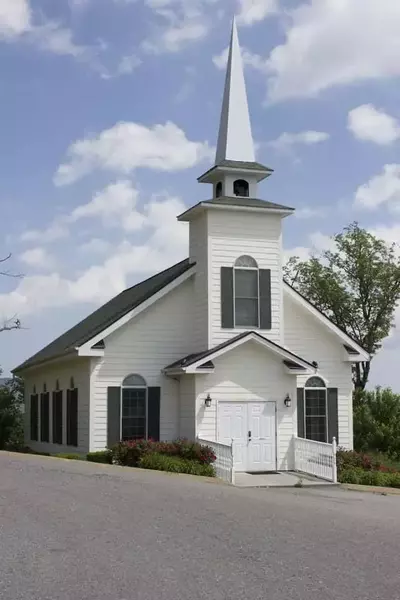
{"x": 103, "y": 456}
{"x": 11, "y": 416}
{"x": 374, "y": 478}
{"x": 175, "y": 464}
{"x": 70, "y": 456}
{"x": 377, "y": 422}
{"x": 130, "y": 453}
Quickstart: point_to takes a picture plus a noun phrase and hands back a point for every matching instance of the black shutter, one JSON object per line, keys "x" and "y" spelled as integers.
{"x": 333, "y": 424}
{"x": 153, "y": 413}
{"x": 300, "y": 413}
{"x": 265, "y": 298}
{"x": 227, "y": 320}
{"x": 72, "y": 417}
{"x": 44, "y": 417}
{"x": 34, "y": 417}
{"x": 58, "y": 417}
{"x": 113, "y": 416}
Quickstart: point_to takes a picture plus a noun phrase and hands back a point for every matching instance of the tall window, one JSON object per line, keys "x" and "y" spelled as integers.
{"x": 134, "y": 408}
{"x": 315, "y": 413}
{"x": 246, "y": 292}
{"x": 241, "y": 187}
{"x": 218, "y": 189}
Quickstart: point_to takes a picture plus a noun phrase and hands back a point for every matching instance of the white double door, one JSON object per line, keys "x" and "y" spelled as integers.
{"x": 250, "y": 426}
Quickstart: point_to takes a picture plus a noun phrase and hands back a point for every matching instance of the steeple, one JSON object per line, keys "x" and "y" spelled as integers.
{"x": 236, "y": 172}
{"x": 235, "y": 140}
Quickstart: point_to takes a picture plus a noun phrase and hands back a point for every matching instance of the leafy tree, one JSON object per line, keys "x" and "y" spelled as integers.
{"x": 11, "y": 415}
{"x": 377, "y": 422}
{"x": 357, "y": 285}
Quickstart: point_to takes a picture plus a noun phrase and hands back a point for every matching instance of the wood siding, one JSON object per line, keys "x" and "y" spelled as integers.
{"x": 155, "y": 338}
{"x": 305, "y": 336}
{"x": 231, "y": 235}
{"x": 77, "y": 368}
{"x": 198, "y": 253}
{"x": 246, "y": 374}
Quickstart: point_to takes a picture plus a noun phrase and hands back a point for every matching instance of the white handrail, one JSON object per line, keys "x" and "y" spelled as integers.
{"x": 316, "y": 458}
{"x": 224, "y": 462}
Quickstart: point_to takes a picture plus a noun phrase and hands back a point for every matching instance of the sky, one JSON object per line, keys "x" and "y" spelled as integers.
{"x": 109, "y": 112}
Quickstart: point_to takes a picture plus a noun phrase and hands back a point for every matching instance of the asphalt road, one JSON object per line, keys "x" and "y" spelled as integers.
{"x": 76, "y": 531}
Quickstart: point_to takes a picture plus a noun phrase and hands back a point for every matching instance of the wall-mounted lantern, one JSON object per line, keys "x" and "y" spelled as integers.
{"x": 288, "y": 401}
{"x": 208, "y": 401}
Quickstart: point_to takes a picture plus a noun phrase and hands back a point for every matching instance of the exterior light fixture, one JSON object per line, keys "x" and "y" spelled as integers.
{"x": 288, "y": 401}
{"x": 208, "y": 401}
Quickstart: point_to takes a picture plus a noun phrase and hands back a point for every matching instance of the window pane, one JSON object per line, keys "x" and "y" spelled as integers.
{"x": 246, "y": 312}
{"x": 246, "y": 261}
{"x": 246, "y": 283}
{"x": 133, "y": 413}
{"x": 315, "y": 408}
{"x": 134, "y": 380}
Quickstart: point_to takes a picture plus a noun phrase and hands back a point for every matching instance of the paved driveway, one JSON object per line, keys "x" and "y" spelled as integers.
{"x": 78, "y": 531}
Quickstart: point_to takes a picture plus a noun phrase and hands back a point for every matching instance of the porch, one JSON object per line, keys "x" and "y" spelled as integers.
{"x": 314, "y": 464}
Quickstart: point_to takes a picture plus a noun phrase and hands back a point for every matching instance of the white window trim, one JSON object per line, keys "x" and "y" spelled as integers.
{"x": 325, "y": 389}
{"x": 134, "y": 387}
{"x": 235, "y": 268}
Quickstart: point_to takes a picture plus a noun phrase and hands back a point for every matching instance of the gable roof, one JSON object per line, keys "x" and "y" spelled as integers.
{"x": 107, "y": 314}
{"x": 205, "y": 356}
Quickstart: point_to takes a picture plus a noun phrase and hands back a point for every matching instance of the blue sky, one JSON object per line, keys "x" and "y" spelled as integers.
{"x": 109, "y": 112}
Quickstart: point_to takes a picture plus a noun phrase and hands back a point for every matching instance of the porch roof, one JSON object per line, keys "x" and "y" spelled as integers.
{"x": 202, "y": 361}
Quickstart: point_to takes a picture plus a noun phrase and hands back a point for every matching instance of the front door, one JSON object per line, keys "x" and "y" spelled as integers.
{"x": 250, "y": 427}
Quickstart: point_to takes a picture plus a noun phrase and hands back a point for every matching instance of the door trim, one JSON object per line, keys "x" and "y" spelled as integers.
{"x": 248, "y": 402}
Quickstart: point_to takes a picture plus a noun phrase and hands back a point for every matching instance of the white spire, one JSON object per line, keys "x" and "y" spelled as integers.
{"x": 235, "y": 141}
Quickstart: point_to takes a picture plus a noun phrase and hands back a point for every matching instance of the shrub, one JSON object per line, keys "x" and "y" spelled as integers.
{"x": 130, "y": 453}
{"x": 175, "y": 464}
{"x": 103, "y": 456}
{"x": 70, "y": 456}
{"x": 375, "y": 478}
{"x": 350, "y": 459}
{"x": 377, "y": 422}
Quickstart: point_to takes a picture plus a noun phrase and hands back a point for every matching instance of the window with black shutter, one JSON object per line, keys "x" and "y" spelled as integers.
{"x": 58, "y": 417}
{"x": 34, "y": 434}
{"x": 44, "y": 417}
{"x": 72, "y": 417}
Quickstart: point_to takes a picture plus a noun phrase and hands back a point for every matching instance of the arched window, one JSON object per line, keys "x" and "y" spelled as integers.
{"x": 241, "y": 187}
{"x": 315, "y": 410}
{"x": 134, "y": 408}
{"x": 218, "y": 189}
{"x": 246, "y": 292}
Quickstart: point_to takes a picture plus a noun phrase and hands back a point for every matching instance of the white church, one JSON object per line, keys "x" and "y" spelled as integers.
{"x": 216, "y": 347}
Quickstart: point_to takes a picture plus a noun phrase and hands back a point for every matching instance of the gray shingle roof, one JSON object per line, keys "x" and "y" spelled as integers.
{"x": 238, "y": 201}
{"x": 238, "y": 164}
{"x": 190, "y": 359}
{"x": 107, "y": 314}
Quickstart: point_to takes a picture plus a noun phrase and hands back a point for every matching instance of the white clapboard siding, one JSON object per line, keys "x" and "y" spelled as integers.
{"x": 246, "y": 374}
{"x": 198, "y": 253}
{"x": 231, "y": 235}
{"x": 63, "y": 371}
{"x": 152, "y": 340}
{"x": 307, "y": 337}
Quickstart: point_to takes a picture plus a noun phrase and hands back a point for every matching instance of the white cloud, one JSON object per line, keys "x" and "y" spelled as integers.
{"x": 15, "y": 18}
{"x": 310, "y": 212}
{"x": 370, "y": 124}
{"x": 317, "y": 243}
{"x": 95, "y": 246}
{"x": 181, "y": 22}
{"x": 381, "y": 189}
{"x": 307, "y": 138}
{"x": 250, "y": 59}
{"x": 127, "y": 146}
{"x": 38, "y": 258}
{"x": 335, "y": 42}
{"x": 253, "y": 11}
{"x": 166, "y": 243}
{"x": 55, "y": 231}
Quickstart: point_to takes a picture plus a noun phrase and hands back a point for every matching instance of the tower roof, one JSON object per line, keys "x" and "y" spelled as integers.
{"x": 235, "y": 140}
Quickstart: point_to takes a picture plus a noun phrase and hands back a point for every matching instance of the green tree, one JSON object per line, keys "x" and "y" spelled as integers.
{"x": 11, "y": 415}
{"x": 377, "y": 422}
{"x": 357, "y": 285}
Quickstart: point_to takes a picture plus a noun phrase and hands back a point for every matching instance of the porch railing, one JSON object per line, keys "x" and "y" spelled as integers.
{"x": 316, "y": 458}
{"x": 224, "y": 463}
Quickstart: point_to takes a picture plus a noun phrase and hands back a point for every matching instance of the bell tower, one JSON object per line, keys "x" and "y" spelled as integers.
{"x": 236, "y": 172}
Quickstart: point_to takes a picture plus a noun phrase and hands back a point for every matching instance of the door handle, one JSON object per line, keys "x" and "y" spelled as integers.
{"x": 249, "y": 436}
